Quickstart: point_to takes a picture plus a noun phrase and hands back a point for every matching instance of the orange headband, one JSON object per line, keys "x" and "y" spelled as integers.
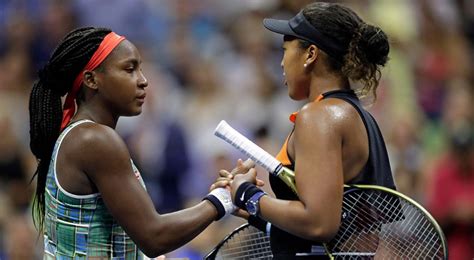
{"x": 109, "y": 42}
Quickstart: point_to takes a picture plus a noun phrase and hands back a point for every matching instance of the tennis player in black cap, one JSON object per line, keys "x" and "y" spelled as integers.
{"x": 331, "y": 58}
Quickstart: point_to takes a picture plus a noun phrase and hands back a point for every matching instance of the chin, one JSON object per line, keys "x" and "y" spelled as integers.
{"x": 291, "y": 94}
{"x": 133, "y": 113}
{"x": 295, "y": 97}
{"x": 292, "y": 97}
{"x": 137, "y": 112}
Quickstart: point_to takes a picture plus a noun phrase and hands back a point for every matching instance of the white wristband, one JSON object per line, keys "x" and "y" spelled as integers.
{"x": 225, "y": 199}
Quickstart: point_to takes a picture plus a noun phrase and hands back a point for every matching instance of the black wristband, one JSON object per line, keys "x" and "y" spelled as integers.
{"x": 219, "y": 207}
{"x": 245, "y": 191}
{"x": 258, "y": 223}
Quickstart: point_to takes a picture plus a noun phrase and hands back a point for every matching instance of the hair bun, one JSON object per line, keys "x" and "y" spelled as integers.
{"x": 374, "y": 43}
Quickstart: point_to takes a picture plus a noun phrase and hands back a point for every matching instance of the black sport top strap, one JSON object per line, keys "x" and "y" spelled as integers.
{"x": 377, "y": 170}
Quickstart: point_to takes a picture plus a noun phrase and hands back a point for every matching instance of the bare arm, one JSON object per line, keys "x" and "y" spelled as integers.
{"x": 317, "y": 143}
{"x": 106, "y": 160}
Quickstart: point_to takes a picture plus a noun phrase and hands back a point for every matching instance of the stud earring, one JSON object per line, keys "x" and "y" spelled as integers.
{"x": 305, "y": 65}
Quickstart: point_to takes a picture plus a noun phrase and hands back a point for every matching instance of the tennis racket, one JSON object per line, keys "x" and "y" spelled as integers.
{"x": 244, "y": 242}
{"x": 376, "y": 222}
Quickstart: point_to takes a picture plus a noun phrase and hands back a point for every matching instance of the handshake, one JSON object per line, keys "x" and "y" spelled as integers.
{"x": 237, "y": 192}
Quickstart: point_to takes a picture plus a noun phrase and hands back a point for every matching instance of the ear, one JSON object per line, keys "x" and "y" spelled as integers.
{"x": 311, "y": 54}
{"x": 89, "y": 79}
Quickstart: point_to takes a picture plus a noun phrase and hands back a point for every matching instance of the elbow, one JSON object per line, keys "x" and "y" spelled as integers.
{"x": 152, "y": 251}
{"x": 152, "y": 247}
{"x": 322, "y": 233}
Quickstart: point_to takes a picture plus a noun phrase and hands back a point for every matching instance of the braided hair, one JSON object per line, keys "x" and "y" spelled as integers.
{"x": 55, "y": 80}
{"x": 367, "y": 46}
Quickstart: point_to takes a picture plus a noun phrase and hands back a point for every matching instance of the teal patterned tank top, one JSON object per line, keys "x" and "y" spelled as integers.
{"x": 80, "y": 226}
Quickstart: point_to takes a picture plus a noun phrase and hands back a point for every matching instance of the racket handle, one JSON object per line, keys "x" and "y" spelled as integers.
{"x": 288, "y": 177}
{"x": 260, "y": 156}
{"x": 247, "y": 147}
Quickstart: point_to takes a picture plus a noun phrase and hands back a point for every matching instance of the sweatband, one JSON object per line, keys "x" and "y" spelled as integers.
{"x": 221, "y": 199}
{"x": 245, "y": 191}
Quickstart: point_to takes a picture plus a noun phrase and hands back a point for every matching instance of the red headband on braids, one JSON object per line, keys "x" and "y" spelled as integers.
{"x": 109, "y": 42}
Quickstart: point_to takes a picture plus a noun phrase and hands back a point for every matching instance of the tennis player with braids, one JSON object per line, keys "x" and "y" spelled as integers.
{"x": 90, "y": 200}
{"x": 331, "y": 58}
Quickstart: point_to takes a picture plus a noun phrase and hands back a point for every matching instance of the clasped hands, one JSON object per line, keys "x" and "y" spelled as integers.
{"x": 243, "y": 172}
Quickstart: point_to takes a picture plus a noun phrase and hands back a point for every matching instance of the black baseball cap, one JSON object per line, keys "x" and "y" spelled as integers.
{"x": 301, "y": 28}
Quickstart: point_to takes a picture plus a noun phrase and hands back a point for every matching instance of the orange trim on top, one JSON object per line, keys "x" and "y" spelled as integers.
{"x": 320, "y": 97}
{"x": 295, "y": 114}
{"x": 282, "y": 155}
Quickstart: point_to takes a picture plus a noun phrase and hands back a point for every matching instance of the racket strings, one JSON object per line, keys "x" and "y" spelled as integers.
{"x": 347, "y": 241}
{"x": 388, "y": 224}
{"x": 249, "y": 243}
{"x": 389, "y": 227}
{"x": 350, "y": 227}
{"x": 362, "y": 220}
{"x": 370, "y": 228}
{"x": 372, "y": 220}
{"x": 419, "y": 235}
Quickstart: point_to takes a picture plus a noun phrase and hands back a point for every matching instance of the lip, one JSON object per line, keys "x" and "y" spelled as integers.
{"x": 141, "y": 97}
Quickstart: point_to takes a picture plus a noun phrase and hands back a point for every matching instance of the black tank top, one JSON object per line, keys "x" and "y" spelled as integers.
{"x": 377, "y": 171}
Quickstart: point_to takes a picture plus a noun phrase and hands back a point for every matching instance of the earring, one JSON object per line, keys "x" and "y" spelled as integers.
{"x": 305, "y": 65}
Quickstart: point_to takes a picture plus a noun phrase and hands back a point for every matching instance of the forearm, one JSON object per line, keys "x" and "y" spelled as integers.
{"x": 295, "y": 218}
{"x": 178, "y": 228}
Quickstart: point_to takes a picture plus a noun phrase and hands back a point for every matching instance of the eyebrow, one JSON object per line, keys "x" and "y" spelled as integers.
{"x": 134, "y": 61}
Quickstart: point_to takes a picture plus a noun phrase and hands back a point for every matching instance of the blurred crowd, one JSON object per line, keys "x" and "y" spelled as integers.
{"x": 212, "y": 60}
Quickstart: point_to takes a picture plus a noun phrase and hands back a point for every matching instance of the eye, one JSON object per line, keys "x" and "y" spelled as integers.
{"x": 130, "y": 69}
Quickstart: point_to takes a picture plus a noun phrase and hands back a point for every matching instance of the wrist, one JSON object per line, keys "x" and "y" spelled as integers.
{"x": 253, "y": 204}
{"x": 244, "y": 192}
{"x": 221, "y": 199}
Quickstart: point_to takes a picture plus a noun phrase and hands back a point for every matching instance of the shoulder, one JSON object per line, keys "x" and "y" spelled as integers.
{"x": 92, "y": 141}
{"x": 93, "y": 134}
{"x": 328, "y": 113}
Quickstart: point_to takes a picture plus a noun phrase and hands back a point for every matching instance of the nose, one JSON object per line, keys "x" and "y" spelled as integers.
{"x": 281, "y": 63}
{"x": 142, "y": 81}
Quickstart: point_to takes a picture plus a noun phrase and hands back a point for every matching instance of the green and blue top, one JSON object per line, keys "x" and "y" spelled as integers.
{"x": 80, "y": 226}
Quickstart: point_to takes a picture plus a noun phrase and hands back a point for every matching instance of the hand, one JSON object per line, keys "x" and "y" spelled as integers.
{"x": 250, "y": 176}
{"x": 225, "y": 177}
{"x": 242, "y": 167}
{"x": 221, "y": 182}
{"x": 241, "y": 213}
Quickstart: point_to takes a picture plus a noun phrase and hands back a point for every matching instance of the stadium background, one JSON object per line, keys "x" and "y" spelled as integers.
{"x": 208, "y": 60}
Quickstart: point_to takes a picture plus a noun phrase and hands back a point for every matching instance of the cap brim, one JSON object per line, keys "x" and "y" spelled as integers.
{"x": 279, "y": 26}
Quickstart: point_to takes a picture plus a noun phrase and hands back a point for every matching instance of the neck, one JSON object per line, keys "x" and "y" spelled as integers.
{"x": 97, "y": 114}
{"x": 326, "y": 82}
